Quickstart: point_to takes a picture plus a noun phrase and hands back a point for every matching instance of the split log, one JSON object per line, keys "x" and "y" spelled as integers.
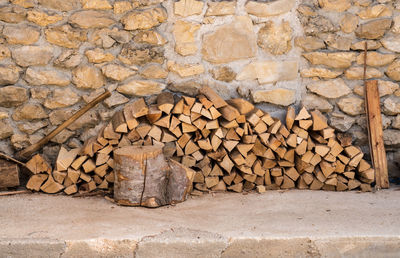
{"x": 9, "y": 174}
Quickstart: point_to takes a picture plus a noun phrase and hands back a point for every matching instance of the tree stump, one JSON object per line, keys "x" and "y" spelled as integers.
{"x": 141, "y": 176}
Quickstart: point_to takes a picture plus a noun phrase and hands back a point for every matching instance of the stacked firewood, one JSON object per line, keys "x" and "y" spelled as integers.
{"x": 231, "y": 145}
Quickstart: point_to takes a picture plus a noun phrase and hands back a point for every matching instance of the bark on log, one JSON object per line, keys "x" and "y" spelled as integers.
{"x": 9, "y": 174}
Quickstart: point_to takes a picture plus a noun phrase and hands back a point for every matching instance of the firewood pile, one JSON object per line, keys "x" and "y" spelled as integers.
{"x": 231, "y": 145}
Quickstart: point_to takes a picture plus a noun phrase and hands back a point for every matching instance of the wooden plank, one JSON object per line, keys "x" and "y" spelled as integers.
{"x": 375, "y": 132}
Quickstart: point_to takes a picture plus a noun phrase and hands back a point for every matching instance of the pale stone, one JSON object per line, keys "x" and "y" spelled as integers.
{"x": 391, "y": 43}
{"x": 23, "y": 35}
{"x": 154, "y": 71}
{"x": 150, "y": 37}
{"x": 144, "y": 20}
{"x": 384, "y": 87}
{"x": 309, "y": 43}
{"x": 60, "y": 5}
{"x": 391, "y": 106}
{"x": 94, "y": 94}
{"x": 29, "y": 112}
{"x": 121, "y": 7}
{"x": 396, "y": 24}
{"x": 374, "y": 29}
{"x": 144, "y": 3}
{"x": 335, "y": 5}
{"x": 190, "y": 88}
{"x": 115, "y": 100}
{"x": 40, "y": 76}
{"x": 397, "y": 93}
{"x": 132, "y": 55}
{"x": 89, "y": 119}
{"x": 120, "y": 36}
{"x": 117, "y": 72}
{"x": 362, "y": 3}
{"x": 19, "y": 141}
{"x": 58, "y": 116}
{"x": 141, "y": 88}
{"x": 87, "y": 77}
{"x": 330, "y": 89}
{"x": 341, "y": 121}
{"x": 96, "y": 4}
{"x": 379, "y": 10}
{"x": 12, "y": 96}
{"x": 24, "y": 3}
{"x": 61, "y": 98}
{"x": 317, "y": 25}
{"x": 42, "y": 18}
{"x": 184, "y": 34}
{"x": 275, "y": 39}
{"x": 351, "y": 105}
{"x": 268, "y": 9}
{"x": 349, "y": 23}
{"x": 4, "y": 52}
{"x": 91, "y": 19}
{"x": 223, "y": 73}
{"x": 337, "y": 42}
{"x": 282, "y": 97}
{"x": 230, "y": 42}
{"x": 322, "y": 73}
{"x": 68, "y": 59}
{"x": 306, "y": 10}
{"x": 66, "y": 36}
{"x": 221, "y": 8}
{"x": 106, "y": 38}
{"x": 5, "y": 129}
{"x": 9, "y": 74}
{"x": 12, "y": 14}
{"x": 371, "y": 45}
{"x": 334, "y": 60}
{"x": 30, "y": 128}
{"x": 185, "y": 70}
{"x": 3, "y": 115}
{"x": 311, "y": 102}
{"x": 188, "y": 7}
{"x": 393, "y": 70}
{"x": 396, "y": 122}
{"x": 269, "y": 71}
{"x": 391, "y": 137}
{"x": 357, "y": 73}
{"x": 63, "y": 136}
{"x": 97, "y": 56}
{"x": 376, "y": 59}
{"x": 39, "y": 93}
{"x": 32, "y": 55}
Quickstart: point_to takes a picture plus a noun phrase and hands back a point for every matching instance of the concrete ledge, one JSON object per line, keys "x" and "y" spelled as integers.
{"x": 275, "y": 224}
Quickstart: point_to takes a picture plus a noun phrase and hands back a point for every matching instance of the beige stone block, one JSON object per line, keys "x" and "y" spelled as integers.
{"x": 90, "y": 19}
{"x": 331, "y": 89}
{"x": 23, "y": 35}
{"x": 352, "y": 105}
{"x": 393, "y": 70}
{"x": 66, "y": 36}
{"x": 223, "y": 73}
{"x": 391, "y": 105}
{"x": 144, "y": 20}
{"x": 396, "y": 24}
{"x": 5, "y": 129}
{"x": 371, "y": 45}
{"x": 98, "y": 55}
{"x": 12, "y": 96}
{"x": 268, "y": 9}
{"x": 68, "y": 59}
{"x": 306, "y": 10}
{"x": 12, "y": 14}
{"x": 45, "y": 76}
{"x": 29, "y": 112}
{"x": 117, "y": 72}
{"x": 275, "y": 38}
{"x": 335, "y": 5}
{"x": 96, "y": 4}
{"x": 60, "y": 5}
{"x": 322, "y": 73}
{"x": 150, "y": 37}
{"x": 185, "y": 70}
{"x": 184, "y": 34}
{"x": 32, "y": 55}
{"x": 87, "y": 77}
{"x": 61, "y": 98}
{"x": 42, "y": 18}
{"x": 374, "y": 29}
{"x": 154, "y": 71}
{"x": 376, "y": 59}
{"x": 376, "y": 11}
{"x": 186, "y": 8}
{"x": 312, "y": 101}
{"x": 282, "y": 97}
{"x": 384, "y": 87}
{"x": 334, "y": 60}
{"x": 221, "y": 8}
{"x": 309, "y": 43}
{"x": 24, "y": 3}
{"x": 230, "y": 42}
{"x": 121, "y": 7}
{"x": 269, "y": 71}
{"x": 391, "y": 43}
{"x": 141, "y": 88}
{"x": 4, "y": 52}
{"x": 349, "y": 22}
{"x": 9, "y": 74}
{"x": 356, "y": 73}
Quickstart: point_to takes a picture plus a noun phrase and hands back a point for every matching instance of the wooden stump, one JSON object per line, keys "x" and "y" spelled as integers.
{"x": 141, "y": 174}
{"x": 9, "y": 174}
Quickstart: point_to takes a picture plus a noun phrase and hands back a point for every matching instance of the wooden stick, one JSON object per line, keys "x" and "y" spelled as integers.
{"x": 26, "y": 153}
{"x": 6, "y": 157}
{"x": 14, "y": 192}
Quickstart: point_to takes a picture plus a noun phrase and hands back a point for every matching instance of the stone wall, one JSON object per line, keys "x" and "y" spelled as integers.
{"x": 56, "y": 55}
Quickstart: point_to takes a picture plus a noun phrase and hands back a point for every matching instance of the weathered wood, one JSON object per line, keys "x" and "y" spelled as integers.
{"x": 165, "y": 102}
{"x": 213, "y": 97}
{"x": 118, "y": 122}
{"x": 243, "y": 106}
{"x": 180, "y": 182}
{"x": 9, "y": 174}
{"x": 38, "y": 164}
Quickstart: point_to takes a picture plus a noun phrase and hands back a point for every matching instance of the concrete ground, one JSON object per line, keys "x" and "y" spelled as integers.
{"x": 275, "y": 224}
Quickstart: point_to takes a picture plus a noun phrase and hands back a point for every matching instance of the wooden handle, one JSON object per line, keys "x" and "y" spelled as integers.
{"x": 26, "y": 153}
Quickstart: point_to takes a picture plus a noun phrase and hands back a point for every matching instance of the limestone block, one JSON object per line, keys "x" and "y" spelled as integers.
{"x": 351, "y": 105}
{"x": 117, "y": 72}
{"x": 391, "y": 43}
{"x": 384, "y": 87}
{"x": 374, "y": 29}
{"x": 5, "y": 129}
{"x": 275, "y": 39}
{"x": 184, "y": 34}
{"x": 221, "y": 8}
{"x": 396, "y": 122}
{"x": 121, "y": 7}
{"x": 306, "y": 10}
{"x": 39, "y": 93}
{"x": 87, "y": 77}
{"x": 357, "y": 73}
{"x": 24, "y": 3}
{"x": 141, "y": 88}
{"x": 4, "y": 52}
{"x": 348, "y": 23}
{"x": 335, "y": 5}
{"x": 96, "y": 4}
{"x": 42, "y": 18}
{"x": 334, "y": 60}
{"x": 29, "y": 112}
{"x": 144, "y": 20}
{"x": 12, "y": 96}
{"x": 186, "y": 8}
{"x": 223, "y": 73}
{"x": 185, "y": 70}
{"x": 66, "y": 36}
{"x": 371, "y": 45}
{"x": 32, "y": 55}
{"x": 230, "y": 42}
{"x": 391, "y": 137}
{"x": 9, "y": 74}
{"x": 376, "y": 59}
{"x": 282, "y": 97}
{"x": 312, "y": 101}
{"x": 91, "y": 19}
{"x": 60, "y": 5}
{"x": 391, "y": 105}
{"x": 115, "y": 100}
{"x": 31, "y": 127}
{"x": 150, "y": 37}
{"x": 12, "y": 14}
{"x": 98, "y": 55}
{"x": 322, "y": 73}
{"x": 341, "y": 122}
{"x": 309, "y": 43}
{"x": 396, "y": 24}
{"x": 330, "y": 89}
{"x": 61, "y": 98}
{"x": 23, "y": 35}
{"x": 45, "y": 76}
{"x": 68, "y": 59}
{"x": 393, "y": 70}
{"x": 376, "y": 11}
{"x": 268, "y": 9}
{"x": 269, "y": 71}
{"x": 154, "y": 71}
{"x": 132, "y": 55}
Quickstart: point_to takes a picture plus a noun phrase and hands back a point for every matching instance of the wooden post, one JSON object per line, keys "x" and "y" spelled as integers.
{"x": 375, "y": 132}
